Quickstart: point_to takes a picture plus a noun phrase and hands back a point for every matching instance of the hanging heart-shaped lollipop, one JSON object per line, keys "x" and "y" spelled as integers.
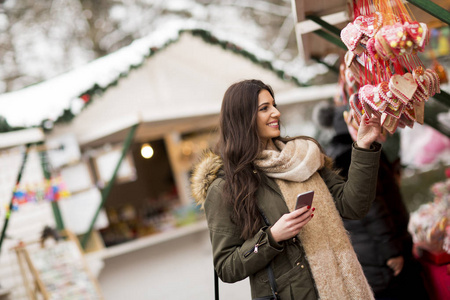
{"x": 419, "y": 97}
{"x": 385, "y": 93}
{"x": 422, "y": 81}
{"x": 396, "y": 113}
{"x": 418, "y": 34}
{"x": 351, "y": 36}
{"x": 419, "y": 108}
{"x": 403, "y": 86}
{"x": 369, "y": 95}
{"x": 405, "y": 121}
{"x": 389, "y": 123}
{"x": 434, "y": 82}
{"x": 382, "y": 47}
{"x": 357, "y": 107}
{"x": 396, "y": 37}
{"x": 367, "y": 24}
{"x": 410, "y": 113}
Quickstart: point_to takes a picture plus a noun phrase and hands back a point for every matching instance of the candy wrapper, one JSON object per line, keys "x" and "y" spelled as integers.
{"x": 430, "y": 225}
{"x": 446, "y": 245}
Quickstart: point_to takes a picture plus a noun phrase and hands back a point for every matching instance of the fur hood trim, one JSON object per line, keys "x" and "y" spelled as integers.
{"x": 204, "y": 173}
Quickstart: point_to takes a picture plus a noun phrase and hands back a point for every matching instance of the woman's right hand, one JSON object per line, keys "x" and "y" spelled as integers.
{"x": 289, "y": 225}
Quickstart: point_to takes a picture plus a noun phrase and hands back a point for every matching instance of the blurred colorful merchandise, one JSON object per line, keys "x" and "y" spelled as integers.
{"x": 429, "y": 225}
{"x": 439, "y": 42}
{"x": 446, "y": 244}
{"x": 440, "y": 70}
{"x": 48, "y": 190}
{"x": 157, "y": 215}
{"x": 435, "y": 146}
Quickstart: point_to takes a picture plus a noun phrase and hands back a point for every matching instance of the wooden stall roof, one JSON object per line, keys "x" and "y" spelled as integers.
{"x": 336, "y": 13}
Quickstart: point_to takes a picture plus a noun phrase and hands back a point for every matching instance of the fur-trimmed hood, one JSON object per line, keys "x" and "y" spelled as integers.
{"x": 204, "y": 173}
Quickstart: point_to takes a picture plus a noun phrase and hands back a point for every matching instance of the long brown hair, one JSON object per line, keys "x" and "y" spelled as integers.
{"x": 239, "y": 146}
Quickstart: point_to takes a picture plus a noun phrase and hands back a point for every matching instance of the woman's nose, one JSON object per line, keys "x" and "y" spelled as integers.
{"x": 276, "y": 112}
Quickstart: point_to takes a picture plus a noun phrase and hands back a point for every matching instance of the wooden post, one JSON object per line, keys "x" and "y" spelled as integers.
{"x": 172, "y": 141}
{"x": 40, "y": 287}
{"x": 107, "y": 190}
{"x": 47, "y": 174}
{"x": 19, "y": 253}
{"x": 8, "y": 213}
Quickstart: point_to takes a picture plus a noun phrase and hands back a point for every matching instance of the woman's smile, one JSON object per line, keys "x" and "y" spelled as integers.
{"x": 274, "y": 124}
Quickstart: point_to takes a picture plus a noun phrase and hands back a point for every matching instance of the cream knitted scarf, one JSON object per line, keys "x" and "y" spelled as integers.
{"x": 334, "y": 265}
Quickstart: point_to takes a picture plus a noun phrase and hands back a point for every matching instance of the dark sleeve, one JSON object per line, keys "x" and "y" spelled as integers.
{"x": 354, "y": 196}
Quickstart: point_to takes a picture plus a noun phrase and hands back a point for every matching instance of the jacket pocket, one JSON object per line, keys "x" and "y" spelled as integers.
{"x": 289, "y": 266}
{"x": 295, "y": 250}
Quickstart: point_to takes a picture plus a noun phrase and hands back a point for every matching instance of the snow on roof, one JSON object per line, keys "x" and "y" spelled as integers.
{"x": 49, "y": 100}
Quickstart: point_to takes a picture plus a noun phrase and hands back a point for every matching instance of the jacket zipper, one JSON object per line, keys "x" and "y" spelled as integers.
{"x": 256, "y": 248}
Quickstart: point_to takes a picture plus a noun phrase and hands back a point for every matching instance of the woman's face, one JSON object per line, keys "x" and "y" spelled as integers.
{"x": 268, "y": 118}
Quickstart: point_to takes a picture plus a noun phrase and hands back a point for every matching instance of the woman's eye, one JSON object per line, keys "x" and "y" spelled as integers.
{"x": 275, "y": 105}
{"x": 263, "y": 108}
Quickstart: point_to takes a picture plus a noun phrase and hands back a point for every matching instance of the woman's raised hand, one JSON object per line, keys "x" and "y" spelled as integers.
{"x": 369, "y": 130}
{"x": 289, "y": 225}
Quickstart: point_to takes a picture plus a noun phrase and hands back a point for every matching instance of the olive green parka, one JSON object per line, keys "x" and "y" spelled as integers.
{"x": 236, "y": 259}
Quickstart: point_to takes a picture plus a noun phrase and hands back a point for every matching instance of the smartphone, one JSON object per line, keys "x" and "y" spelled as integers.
{"x": 304, "y": 199}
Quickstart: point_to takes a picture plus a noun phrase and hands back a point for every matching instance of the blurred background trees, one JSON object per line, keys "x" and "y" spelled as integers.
{"x": 41, "y": 39}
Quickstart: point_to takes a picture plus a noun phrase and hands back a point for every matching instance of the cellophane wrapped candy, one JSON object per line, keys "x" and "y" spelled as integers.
{"x": 429, "y": 225}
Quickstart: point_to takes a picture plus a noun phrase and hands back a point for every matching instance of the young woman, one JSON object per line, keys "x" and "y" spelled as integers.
{"x": 248, "y": 189}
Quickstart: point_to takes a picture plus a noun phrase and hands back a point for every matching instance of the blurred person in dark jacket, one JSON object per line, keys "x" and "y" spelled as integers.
{"x": 381, "y": 239}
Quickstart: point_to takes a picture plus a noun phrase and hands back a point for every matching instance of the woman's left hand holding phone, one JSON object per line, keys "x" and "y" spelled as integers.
{"x": 289, "y": 225}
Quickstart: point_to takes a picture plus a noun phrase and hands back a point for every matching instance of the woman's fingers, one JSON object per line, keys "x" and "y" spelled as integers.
{"x": 298, "y": 212}
{"x": 302, "y": 221}
{"x": 301, "y": 217}
{"x": 289, "y": 225}
{"x": 374, "y": 119}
